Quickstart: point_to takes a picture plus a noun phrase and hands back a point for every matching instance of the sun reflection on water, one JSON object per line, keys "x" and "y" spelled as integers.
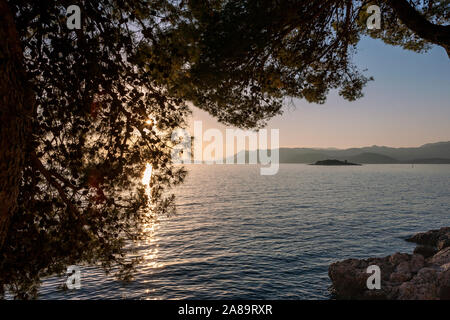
{"x": 151, "y": 243}
{"x": 150, "y": 229}
{"x": 147, "y": 174}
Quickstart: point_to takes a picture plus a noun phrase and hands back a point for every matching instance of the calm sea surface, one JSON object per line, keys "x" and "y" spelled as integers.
{"x": 239, "y": 235}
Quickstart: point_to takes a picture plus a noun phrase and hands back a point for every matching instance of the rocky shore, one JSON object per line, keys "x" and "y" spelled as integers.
{"x": 423, "y": 275}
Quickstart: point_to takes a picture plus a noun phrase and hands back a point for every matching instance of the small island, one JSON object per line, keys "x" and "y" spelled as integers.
{"x": 334, "y": 162}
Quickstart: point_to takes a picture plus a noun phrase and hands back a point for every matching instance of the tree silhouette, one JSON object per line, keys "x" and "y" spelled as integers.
{"x": 83, "y": 119}
{"x": 252, "y": 54}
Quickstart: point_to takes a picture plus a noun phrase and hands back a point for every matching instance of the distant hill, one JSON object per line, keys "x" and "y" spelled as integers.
{"x": 432, "y": 153}
{"x": 427, "y": 151}
{"x": 370, "y": 157}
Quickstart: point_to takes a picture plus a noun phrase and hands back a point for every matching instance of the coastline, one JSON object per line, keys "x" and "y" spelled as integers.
{"x": 422, "y": 275}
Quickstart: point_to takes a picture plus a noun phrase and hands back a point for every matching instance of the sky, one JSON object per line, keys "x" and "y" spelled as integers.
{"x": 407, "y": 105}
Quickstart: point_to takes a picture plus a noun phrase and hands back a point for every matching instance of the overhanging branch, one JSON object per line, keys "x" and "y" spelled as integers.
{"x": 49, "y": 177}
{"x": 437, "y": 34}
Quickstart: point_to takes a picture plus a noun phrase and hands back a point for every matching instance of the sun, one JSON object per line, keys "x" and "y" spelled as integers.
{"x": 151, "y": 121}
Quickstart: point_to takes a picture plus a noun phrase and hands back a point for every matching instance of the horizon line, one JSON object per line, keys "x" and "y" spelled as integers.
{"x": 366, "y": 146}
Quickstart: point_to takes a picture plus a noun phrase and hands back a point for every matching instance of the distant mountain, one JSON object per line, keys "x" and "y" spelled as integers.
{"x": 370, "y": 157}
{"x": 301, "y": 156}
{"x": 433, "y": 153}
{"x": 431, "y": 150}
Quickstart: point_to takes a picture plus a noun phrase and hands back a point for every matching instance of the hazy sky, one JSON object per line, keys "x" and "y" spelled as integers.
{"x": 408, "y": 104}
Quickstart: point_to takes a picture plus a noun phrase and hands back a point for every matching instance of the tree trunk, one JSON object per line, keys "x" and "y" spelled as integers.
{"x": 437, "y": 34}
{"x": 14, "y": 117}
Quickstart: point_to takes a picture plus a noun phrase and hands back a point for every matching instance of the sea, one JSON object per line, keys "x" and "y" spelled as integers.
{"x": 240, "y": 235}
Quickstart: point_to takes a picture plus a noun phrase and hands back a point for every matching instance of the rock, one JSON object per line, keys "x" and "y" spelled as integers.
{"x": 397, "y": 258}
{"x": 349, "y": 285}
{"x": 417, "y": 263}
{"x": 431, "y": 237}
{"x": 444, "y": 285}
{"x": 403, "y": 267}
{"x": 426, "y": 251}
{"x": 445, "y": 267}
{"x": 424, "y": 286}
{"x": 400, "y": 277}
{"x": 443, "y": 243}
{"x": 441, "y": 258}
{"x": 425, "y": 275}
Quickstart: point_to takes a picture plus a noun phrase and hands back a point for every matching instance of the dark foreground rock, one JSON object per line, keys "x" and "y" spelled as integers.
{"x": 423, "y": 275}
